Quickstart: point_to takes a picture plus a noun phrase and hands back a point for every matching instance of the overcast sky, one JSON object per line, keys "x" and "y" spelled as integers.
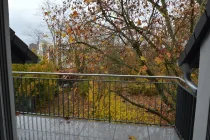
{"x": 24, "y": 13}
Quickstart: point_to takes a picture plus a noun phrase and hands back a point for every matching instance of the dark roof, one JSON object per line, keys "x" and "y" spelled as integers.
{"x": 191, "y": 53}
{"x": 21, "y": 54}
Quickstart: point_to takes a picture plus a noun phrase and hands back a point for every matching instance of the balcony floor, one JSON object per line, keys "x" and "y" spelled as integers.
{"x": 49, "y": 128}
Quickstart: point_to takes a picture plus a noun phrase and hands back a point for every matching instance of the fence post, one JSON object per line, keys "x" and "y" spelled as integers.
{"x": 109, "y": 104}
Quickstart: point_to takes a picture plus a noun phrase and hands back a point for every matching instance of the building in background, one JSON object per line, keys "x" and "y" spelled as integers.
{"x": 33, "y": 47}
{"x": 42, "y": 49}
{"x": 45, "y": 50}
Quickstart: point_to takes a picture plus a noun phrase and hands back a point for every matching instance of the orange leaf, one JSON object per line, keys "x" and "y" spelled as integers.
{"x": 141, "y": 39}
{"x": 144, "y": 68}
{"x": 132, "y": 138}
{"x": 75, "y": 89}
{"x": 17, "y": 113}
{"x": 139, "y": 22}
{"x": 168, "y": 54}
{"x": 46, "y": 13}
{"x": 88, "y": 1}
{"x": 78, "y": 32}
{"x": 158, "y": 60}
{"x": 94, "y": 18}
{"x": 69, "y": 31}
{"x": 75, "y": 14}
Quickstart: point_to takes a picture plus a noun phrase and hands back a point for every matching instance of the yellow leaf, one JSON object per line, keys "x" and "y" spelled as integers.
{"x": 101, "y": 67}
{"x": 63, "y": 35}
{"x": 132, "y": 138}
{"x": 193, "y": 75}
{"x": 143, "y": 58}
{"x": 161, "y": 41}
{"x": 71, "y": 39}
{"x": 158, "y": 60}
{"x": 141, "y": 39}
{"x": 57, "y": 32}
{"x": 104, "y": 42}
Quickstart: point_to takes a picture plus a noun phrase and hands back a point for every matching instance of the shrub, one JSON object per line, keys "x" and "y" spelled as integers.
{"x": 141, "y": 89}
{"x": 34, "y": 90}
{"x": 83, "y": 88}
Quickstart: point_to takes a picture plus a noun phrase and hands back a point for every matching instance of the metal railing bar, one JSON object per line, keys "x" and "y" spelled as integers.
{"x": 187, "y": 77}
{"x": 140, "y": 82}
{"x": 104, "y": 75}
{"x": 192, "y": 93}
{"x": 118, "y": 98}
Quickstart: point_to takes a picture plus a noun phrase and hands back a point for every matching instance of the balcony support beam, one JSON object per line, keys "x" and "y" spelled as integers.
{"x": 203, "y": 93}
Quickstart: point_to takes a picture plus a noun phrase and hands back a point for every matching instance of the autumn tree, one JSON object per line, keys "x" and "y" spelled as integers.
{"x": 153, "y": 32}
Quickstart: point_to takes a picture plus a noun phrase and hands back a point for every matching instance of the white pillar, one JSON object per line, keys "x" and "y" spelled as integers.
{"x": 203, "y": 94}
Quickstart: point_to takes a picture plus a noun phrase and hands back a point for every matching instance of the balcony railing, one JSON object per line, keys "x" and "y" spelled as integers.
{"x": 185, "y": 112}
{"x": 150, "y": 100}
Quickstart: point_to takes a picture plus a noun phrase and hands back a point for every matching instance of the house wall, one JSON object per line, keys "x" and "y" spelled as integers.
{"x": 203, "y": 94}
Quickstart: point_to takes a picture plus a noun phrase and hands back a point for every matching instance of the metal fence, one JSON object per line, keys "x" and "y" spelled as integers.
{"x": 113, "y": 98}
{"x": 185, "y": 112}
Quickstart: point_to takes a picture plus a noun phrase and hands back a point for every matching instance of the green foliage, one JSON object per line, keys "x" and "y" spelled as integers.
{"x": 43, "y": 66}
{"x": 150, "y": 92}
{"x": 38, "y": 88}
{"x": 83, "y": 88}
{"x": 111, "y": 107}
{"x": 141, "y": 89}
{"x": 93, "y": 100}
{"x": 135, "y": 89}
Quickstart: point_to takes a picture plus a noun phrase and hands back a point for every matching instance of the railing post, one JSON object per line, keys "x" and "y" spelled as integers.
{"x": 109, "y": 105}
{"x": 161, "y": 106}
{"x": 185, "y": 112}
